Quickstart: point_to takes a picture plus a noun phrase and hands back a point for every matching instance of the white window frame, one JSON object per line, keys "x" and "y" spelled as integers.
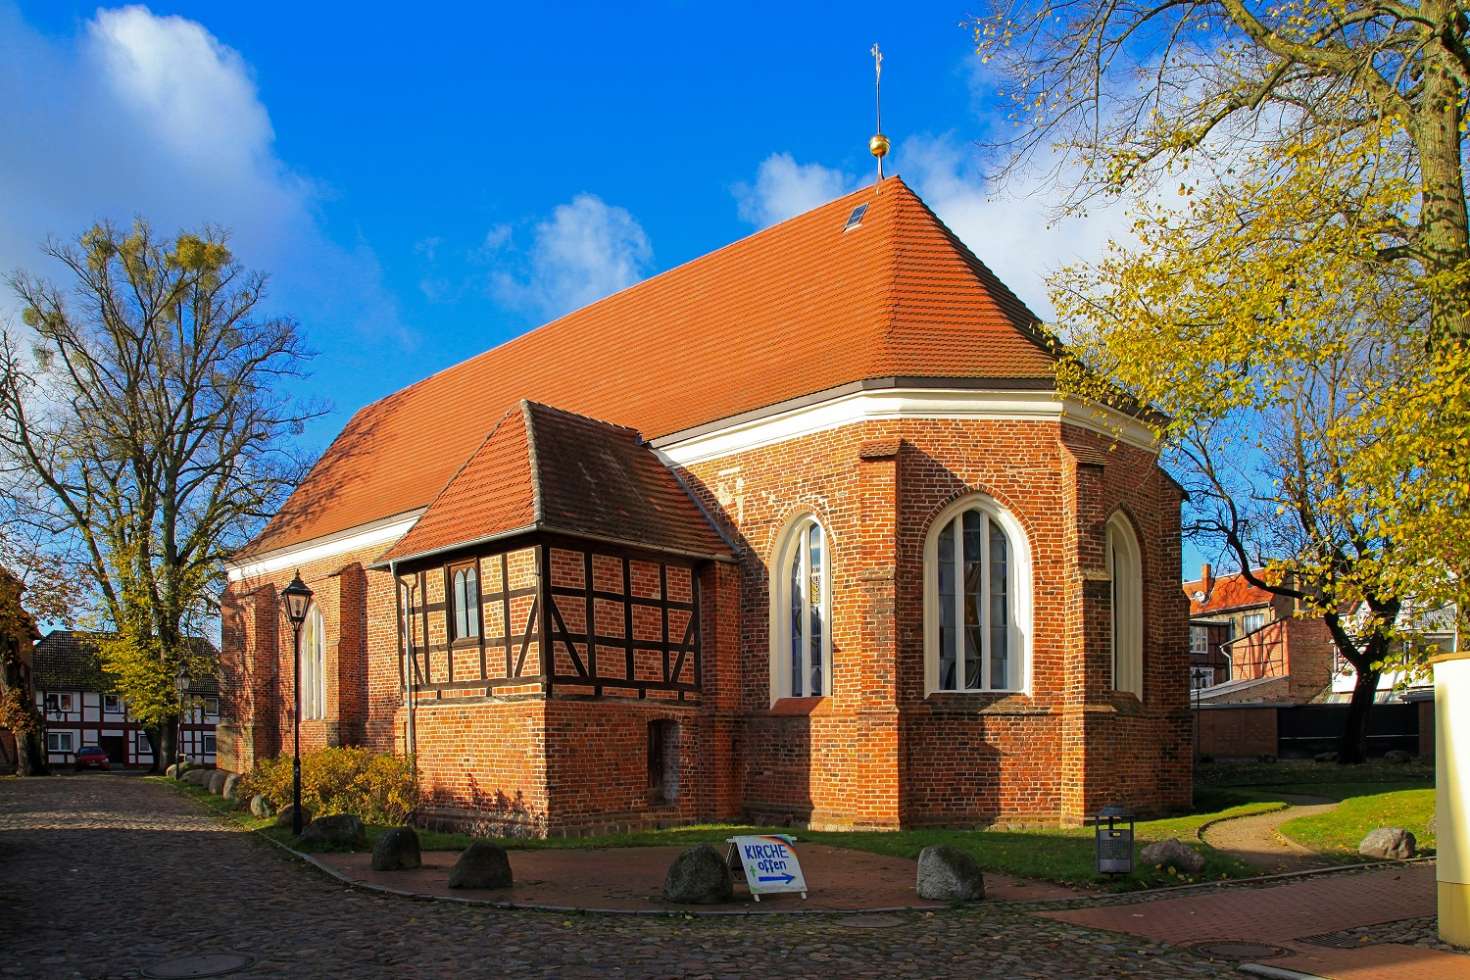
{"x": 143, "y": 746}
{"x": 1245, "y": 621}
{"x": 1125, "y": 577}
{"x": 780, "y": 591}
{"x": 211, "y": 707}
{"x": 1018, "y": 590}
{"x": 314, "y": 665}
{"x": 58, "y": 736}
{"x": 112, "y": 703}
{"x": 208, "y": 744}
{"x": 1202, "y": 633}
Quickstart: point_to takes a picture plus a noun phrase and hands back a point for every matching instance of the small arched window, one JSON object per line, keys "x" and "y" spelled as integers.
{"x": 1125, "y": 569}
{"x": 314, "y": 665}
{"x": 801, "y": 613}
{"x": 465, "y": 601}
{"x": 977, "y": 599}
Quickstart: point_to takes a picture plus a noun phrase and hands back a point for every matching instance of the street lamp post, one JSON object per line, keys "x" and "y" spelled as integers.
{"x": 295, "y": 598}
{"x": 181, "y": 681}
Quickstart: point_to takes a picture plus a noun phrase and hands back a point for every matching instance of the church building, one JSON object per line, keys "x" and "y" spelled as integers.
{"x": 800, "y": 532}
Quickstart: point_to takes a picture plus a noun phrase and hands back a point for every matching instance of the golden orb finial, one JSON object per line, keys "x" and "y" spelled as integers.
{"x": 878, "y": 145}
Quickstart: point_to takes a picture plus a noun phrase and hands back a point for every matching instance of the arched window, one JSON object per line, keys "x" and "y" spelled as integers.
{"x": 1126, "y": 571}
{"x": 801, "y": 613}
{"x": 977, "y": 599}
{"x": 314, "y": 665}
{"x": 464, "y": 602}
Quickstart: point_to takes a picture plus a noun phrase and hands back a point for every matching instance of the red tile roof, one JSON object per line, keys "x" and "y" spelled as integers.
{"x": 1228, "y": 592}
{"x": 542, "y": 468}
{"x": 800, "y": 307}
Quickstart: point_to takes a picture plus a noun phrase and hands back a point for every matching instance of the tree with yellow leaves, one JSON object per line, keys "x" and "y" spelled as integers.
{"x": 147, "y": 433}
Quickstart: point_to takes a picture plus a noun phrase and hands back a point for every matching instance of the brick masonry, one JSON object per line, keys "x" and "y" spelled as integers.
{"x": 552, "y": 743}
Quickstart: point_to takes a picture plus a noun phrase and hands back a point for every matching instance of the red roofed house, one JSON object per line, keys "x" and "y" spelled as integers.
{"x": 799, "y": 530}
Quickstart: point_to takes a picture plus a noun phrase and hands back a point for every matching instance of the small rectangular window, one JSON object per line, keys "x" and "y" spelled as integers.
{"x": 208, "y": 744}
{"x": 663, "y": 761}
{"x": 856, "y": 218}
{"x": 464, "y": 602}
{"x": 58, "y": 742}
{"x": 65, "y": 701}
{"x": 1254, "y": 621}
{"x": 111, "y": 703}
{"x": 145, "y": 747}
{"x": 211, "y": 706}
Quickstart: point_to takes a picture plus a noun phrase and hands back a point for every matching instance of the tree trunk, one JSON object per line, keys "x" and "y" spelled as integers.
{"x": 1443, "y": 223}
{"x": 31, "y": 756}
{"x": 1353, "y": 746}
{"x": 165, "y": 741}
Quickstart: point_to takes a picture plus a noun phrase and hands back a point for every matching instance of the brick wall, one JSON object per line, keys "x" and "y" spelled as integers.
{"x": 493, "y": 751}
{"x": 1245, "y": 732}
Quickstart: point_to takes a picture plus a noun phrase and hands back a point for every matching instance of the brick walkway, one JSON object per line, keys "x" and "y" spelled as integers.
{"x": 1286, "y": 914}
{"x": 105, "y": 876}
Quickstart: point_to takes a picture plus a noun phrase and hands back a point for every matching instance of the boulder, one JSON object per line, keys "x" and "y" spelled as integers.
{"x": 217, "y": 781}
{"x": 396, "y": 849}
{"x": 176, "y": 769}
{"x": 1173, "y": 853}
{"x": 261, "y": 807}
{"x": 335, "y": 830}
{"x": 231, "y": 788}
{"x": 699, "y": 876}
{"x": 198, "y": 777}
{"x": 482, "y": 865}
{"x": 1389, "y": 844}
{"x": 1325, "y": 757}
{"x": 283, "y": 817}
{"x": 1398, "y": 756}
{"x": 948, "y": 874}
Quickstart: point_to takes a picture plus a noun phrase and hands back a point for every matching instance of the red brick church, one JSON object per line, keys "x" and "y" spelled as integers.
{"x": 798, "y": 531}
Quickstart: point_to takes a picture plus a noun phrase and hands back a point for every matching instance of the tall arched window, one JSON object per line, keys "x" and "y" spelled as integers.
{"x": 1125, "y": 568}
{"x": 801, "y": 613}
{"x": 977, "y": 599}
{"x": 314, "y": 665}
{"x": 464, "y": 602}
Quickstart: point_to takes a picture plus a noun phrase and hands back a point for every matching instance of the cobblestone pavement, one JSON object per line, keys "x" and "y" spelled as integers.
{"x": 106, "y": 876}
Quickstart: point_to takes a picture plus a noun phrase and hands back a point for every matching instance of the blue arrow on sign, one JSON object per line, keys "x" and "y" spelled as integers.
{"x": 786, "y": 879}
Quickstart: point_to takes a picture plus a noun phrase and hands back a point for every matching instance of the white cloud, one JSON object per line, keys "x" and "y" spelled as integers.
{"x": 147, "y": 115}
{"x": 784, "y": 188}
{"x": 584, "y": 251}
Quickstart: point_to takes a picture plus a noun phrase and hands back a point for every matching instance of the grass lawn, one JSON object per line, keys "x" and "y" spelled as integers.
{"x": 1374, "y": 795}
{"x": 1339, "y": 832}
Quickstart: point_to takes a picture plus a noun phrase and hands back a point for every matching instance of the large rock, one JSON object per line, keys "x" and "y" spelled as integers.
{"x": 396, "y": 849}
{"x": 948, "y": 874}
{"x": 283, "y": 818}
{"x": 1398, "y": 756}
{"x": 482, "y": 865}
{"x": 699, "y": 876}
{"x": 176, "y": 769}
{"x": 1173, "y": 853}
{"x": 231, "y": 788}
{"x": 1389, "y": 844}
{"x": 198, "y": 777}
{"x": 1325, "y": 757}
{"x": 261, "y": 807}
{"x": 335, "y": 830}
{"x": 217, "y": 781}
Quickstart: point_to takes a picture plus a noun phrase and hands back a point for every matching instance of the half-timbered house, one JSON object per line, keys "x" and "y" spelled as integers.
{"x": 801, "y": 530}
{"x": 80, "y": 706}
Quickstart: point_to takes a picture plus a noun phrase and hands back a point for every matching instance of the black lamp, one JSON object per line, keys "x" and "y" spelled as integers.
{"x": 295, "y": 598}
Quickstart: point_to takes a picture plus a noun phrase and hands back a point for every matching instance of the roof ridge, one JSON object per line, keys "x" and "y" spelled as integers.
{"x": 532, "y": 403}
{"x": 533, "y": 464}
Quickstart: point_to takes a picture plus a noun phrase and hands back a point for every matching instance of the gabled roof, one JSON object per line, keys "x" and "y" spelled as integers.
{"x": 1227, "y": 592}
{"x": 798, "y": 308}
{"x": 66, "y": 660}
{"x": 545, "y": 469}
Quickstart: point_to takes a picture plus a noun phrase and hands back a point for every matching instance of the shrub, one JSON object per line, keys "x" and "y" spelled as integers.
{"x": 377, "y": 787}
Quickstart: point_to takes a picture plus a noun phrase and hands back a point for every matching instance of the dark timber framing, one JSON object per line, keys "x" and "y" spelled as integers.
{"x": 545, "y": 626}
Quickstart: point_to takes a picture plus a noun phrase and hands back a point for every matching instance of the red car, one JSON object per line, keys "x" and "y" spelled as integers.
{"x": 92, "y": 757}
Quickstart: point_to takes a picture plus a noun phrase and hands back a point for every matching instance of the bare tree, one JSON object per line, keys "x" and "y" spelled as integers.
{"x": 149, "y": 432}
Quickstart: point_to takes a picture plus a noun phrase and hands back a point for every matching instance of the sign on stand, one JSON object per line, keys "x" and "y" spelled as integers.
{"x": 770, "y": 864}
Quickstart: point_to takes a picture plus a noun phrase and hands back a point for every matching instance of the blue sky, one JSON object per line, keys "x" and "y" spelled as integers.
{"x": 425, "y": 184}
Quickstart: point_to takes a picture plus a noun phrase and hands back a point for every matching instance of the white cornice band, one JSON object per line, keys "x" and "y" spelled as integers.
{"x": 768, "y": 430}
{"x": 381, "y": 532}
{"x": 907, "y": 403}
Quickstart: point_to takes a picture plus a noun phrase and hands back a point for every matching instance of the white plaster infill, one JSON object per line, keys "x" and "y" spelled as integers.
{"x": 904, "y": 403}
{"x": 380, "y": 532}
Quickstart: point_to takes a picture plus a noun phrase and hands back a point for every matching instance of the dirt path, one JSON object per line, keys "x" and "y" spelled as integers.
{"x": 1256, "y": 841}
